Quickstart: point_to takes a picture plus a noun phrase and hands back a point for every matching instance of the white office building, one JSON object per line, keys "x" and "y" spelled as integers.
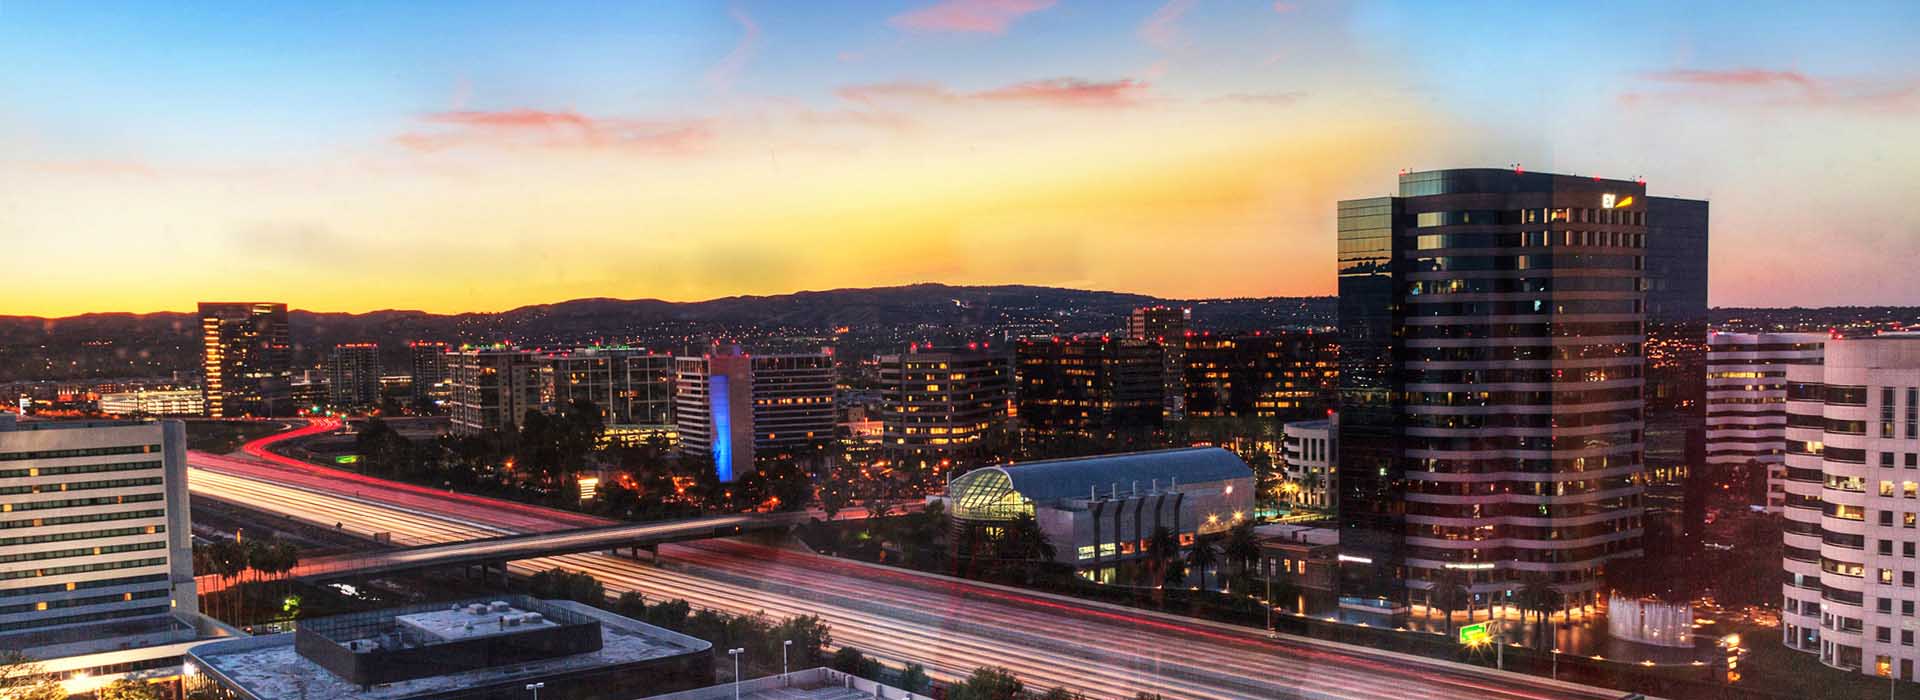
{"x": 1306, "y": 455}
{"x": 1852, "y": 503}
{"x": 141, "y": 403}
{"x": 96, "y": 555}
{"x": 1747, "y": 402}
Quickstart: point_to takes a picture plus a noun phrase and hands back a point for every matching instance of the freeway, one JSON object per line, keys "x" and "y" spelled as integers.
{"x": 950, "y": 625}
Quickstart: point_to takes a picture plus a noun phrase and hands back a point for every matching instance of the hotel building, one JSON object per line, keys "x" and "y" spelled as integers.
{"x": 1490, "y": 385}
{"x": 937, "y": 406}
{"x": 739, "y": 408}
{"x": 246, "y": 359}
{"x": 1852, "y": 501}
{"x": 1747, "y": 404}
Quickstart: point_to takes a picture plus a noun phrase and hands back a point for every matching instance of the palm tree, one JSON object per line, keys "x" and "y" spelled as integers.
{"x": 1202, "y": 556}
{"x": 1242, "y": 548}
{"x": 1162, "y": 549}
{"x": 1448, "y": 595}
{"x": 227, "y": 559}
{"x": 1539, "y": 597}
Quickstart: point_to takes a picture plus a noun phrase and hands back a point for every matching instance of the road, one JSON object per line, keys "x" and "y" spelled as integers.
{"x": 951, "y": 626}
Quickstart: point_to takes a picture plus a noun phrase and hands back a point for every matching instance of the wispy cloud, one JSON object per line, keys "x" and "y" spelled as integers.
{"x": 1744, "y": 77}
{"x": 551, "y": 129}
{"x": 968, "y": 16}
{"x": 1070, "y": 91}
{"x": 1771, "y": 88}
{"x": 1162, "y": 28}
{"x": 1062, "y": 92}
{"x": 723, "y": 74}
{"x": 98, "y": 167}
{"x": 1263, "y": 98}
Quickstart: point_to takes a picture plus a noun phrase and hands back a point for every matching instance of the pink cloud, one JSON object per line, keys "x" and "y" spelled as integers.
{"x": 722, "y": 75}
{"x": 1263, "y": 98}
{"x": 1772, "y": 88}
{"x": 552, "y": 129}
{"x": 968, "y": 16}
{"x": 1064, "y": 92}
{"x": 97, "y": 167}
{"x": 1745, "y": 77}
{"x": 1283, "y": 7}
{"x": 1070, "y": 91}
{"x": 1162, "y": 28}
{"x": 903, "y": 90}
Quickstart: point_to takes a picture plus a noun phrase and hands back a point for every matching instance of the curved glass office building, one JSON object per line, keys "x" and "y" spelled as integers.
{"x": 1491, "y": 421}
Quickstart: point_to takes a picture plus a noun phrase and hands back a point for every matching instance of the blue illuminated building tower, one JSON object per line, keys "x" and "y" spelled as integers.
{"x": 740, "y": 408}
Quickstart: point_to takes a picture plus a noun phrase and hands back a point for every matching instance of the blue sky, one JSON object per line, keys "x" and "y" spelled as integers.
{"x": 430, "y": 135}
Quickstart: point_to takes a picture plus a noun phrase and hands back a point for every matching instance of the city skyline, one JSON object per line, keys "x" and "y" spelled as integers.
{"x": 345, "y": 158}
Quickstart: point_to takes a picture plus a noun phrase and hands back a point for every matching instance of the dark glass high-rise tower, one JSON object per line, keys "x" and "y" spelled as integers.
{"x": 1678, "y": 480}
{"x": 1491, "y": 424}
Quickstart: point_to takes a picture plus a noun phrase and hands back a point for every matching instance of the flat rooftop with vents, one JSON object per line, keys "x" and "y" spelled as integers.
{"x": 466, "y": 650}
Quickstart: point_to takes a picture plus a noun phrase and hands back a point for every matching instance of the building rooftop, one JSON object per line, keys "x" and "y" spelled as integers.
{"x": 1305, "y": 534}
{"x": 997, "y": 493}
{"x": 1054, "y": 479}
{"x": 810, "y": 684}
{"x": 12, "y": 422}
{"x": 271, "y": 667}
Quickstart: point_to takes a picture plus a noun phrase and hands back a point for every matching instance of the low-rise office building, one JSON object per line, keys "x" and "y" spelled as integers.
{"x": 481, "y": 649}
{"x": 143, "y": 403}
{"x": 1099, "y": 512}
{"x": 1303, "y": 559}
{"x": 1307, "y": 454}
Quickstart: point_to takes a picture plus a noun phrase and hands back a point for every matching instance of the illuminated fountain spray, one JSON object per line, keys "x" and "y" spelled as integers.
{"x": 1650, "y": 621}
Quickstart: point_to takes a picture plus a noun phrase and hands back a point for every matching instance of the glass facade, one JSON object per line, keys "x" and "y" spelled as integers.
{"x": 1491, "y": 421}
{"x": 1371, "y": 391}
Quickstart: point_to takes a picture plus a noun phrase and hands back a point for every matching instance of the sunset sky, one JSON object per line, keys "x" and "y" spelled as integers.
{"x": 475, "y": 156}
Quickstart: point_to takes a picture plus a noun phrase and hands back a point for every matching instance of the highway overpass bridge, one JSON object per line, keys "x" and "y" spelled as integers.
{"x": 497, "y": 551}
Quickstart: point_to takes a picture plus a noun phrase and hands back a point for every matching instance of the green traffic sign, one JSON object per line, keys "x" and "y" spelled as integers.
{"x": 1476, "y": 633}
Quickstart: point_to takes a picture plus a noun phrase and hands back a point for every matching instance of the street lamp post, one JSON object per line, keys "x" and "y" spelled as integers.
{"x": 1269, "y": 600}
{"x": 735, "y": 653}
{"x": 535, "y": 689}
{"x": 784, "y": 646}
